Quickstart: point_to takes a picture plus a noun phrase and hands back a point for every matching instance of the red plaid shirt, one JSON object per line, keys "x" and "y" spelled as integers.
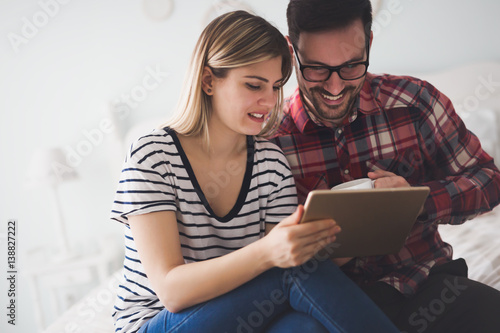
{"x": 406, "y": 126}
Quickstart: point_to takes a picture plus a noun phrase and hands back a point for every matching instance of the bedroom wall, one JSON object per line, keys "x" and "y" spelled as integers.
{"x": 63, "y": 63}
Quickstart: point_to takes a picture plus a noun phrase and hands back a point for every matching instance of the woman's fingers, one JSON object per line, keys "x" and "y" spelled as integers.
{"x": 308, "y": 245}
{"x": 292, "y": 243}
{"x": 313, "y": 227}
{"x": 309, "y": 250}
{"x": 325, "y": 235}
{"x": 293, "y": 219}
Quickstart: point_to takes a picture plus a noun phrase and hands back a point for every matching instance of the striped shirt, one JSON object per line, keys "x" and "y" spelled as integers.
{"x": 405, "y": 126}
{"x": 157, "y": 176}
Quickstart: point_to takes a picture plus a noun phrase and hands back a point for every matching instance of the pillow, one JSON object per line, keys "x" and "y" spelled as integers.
{"x": 485, "y": 124}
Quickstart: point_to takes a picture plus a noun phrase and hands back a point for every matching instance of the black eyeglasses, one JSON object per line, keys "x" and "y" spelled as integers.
{"x": 347, "y": 72}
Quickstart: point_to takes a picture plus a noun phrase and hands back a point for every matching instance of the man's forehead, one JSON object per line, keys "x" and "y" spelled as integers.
{"x": 342, "y": 44}
{"x": 351, "y": 38}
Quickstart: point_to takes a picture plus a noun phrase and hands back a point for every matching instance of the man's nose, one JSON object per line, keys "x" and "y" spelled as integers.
{"x": 334, "y": 85}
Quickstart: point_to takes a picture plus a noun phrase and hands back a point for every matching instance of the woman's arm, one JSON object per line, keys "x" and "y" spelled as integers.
{"x": 179, "y": 285}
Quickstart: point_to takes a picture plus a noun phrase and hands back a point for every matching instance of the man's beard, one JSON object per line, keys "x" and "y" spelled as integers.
{"x": 332, "y": 113}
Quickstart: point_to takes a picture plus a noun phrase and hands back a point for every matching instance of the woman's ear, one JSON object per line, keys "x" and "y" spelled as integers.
{"x": 207, "y": 81}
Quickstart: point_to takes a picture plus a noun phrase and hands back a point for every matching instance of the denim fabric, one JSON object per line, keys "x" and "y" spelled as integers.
{"x": 295, "y": 322}
{"x": 317, "y": 289}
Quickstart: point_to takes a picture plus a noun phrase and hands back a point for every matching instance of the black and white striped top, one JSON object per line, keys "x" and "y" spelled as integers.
{"x": 157, "y": 176}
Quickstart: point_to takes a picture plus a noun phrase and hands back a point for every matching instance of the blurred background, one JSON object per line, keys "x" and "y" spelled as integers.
{"x": 80, "y": 79}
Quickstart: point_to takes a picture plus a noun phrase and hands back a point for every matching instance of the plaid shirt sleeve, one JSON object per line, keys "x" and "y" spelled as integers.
{"x": 463, "y": 178}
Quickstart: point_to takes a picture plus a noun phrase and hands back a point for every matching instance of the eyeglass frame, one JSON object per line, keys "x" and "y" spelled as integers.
{"x": 336, "y": 69}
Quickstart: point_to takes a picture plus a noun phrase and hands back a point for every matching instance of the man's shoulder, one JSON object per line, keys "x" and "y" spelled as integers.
{"x": 287, "y": 126}
{"x": 392, "y": 79}
{"x": 292, "y": 109}
{"x": 398, "y": 83}
{"x": 394, "y": 91}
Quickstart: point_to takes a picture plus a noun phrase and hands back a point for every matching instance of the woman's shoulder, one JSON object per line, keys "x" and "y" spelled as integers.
{"x": 266, "y": 150}
{"x": 159, "y": 139}
{"x": 264, "y": 145}
{"x": 154, "y": 135}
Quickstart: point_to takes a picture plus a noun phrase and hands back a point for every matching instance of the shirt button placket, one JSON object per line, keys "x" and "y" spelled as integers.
{"x": 342, "y": 153}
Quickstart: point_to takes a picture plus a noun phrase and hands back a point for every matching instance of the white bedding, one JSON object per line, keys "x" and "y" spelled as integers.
{"x": 92, "y": 314}
{"x": 478, "y": 242}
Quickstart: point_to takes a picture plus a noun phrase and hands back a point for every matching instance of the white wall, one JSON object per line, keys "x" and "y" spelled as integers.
{"x": 56, "y": 88}
{"x": 430, "y": 35}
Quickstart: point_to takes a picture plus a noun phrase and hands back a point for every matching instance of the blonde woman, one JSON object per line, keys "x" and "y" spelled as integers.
{"x": 200, "y": 196}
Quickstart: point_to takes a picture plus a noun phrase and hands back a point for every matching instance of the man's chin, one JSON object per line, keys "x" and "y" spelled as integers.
{"x": 325, "y": 112}
{"x": 331, "y": 113}
{"x": 333, "y": 118}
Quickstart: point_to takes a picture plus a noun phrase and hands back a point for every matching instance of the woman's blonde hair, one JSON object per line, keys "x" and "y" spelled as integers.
{"x": 231, "y": 40}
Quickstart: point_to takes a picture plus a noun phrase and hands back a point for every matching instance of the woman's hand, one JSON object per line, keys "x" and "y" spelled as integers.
{"x": 291, "y": 244}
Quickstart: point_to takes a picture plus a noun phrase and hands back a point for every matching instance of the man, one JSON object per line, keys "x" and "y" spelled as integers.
{"x": 343, "y": 123}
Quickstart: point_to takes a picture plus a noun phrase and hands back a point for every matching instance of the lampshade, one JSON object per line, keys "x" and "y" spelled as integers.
{"x": 48, "y": 167}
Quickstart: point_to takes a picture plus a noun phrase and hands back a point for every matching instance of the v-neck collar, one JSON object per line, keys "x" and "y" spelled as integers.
{"x": 245, "y": 186}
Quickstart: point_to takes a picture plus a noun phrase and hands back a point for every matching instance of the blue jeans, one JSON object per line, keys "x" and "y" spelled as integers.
{"x": 314, "y": 297}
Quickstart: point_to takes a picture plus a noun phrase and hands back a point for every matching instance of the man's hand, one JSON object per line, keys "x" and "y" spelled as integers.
{"x": 386, "y": 179}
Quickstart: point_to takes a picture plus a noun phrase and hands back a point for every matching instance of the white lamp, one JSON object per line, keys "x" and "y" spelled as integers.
{"x": 48, "y": 168}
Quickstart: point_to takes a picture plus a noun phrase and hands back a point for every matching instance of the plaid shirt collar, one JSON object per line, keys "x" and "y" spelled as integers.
{"x": 304, "y": 119}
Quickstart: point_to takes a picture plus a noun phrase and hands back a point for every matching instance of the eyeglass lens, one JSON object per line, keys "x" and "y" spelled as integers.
{"x": 347, "y": 72}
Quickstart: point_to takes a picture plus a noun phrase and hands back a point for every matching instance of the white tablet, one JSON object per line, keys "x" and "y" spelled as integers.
{"x": 373, "y": 221}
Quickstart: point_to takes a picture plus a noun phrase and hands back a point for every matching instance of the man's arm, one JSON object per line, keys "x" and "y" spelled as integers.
{"x": 463, "y": 178}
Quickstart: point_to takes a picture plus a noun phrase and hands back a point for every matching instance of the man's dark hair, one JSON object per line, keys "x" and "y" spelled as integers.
{"x": 322, "y": 15}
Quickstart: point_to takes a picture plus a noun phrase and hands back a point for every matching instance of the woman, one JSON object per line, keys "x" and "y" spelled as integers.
{"x": 200, "y": 196}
